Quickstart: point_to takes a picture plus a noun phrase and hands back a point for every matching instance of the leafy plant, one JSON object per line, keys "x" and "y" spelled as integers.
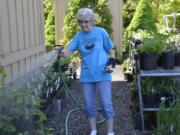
{"x": 128, "y": 11}
{"x": 2, "y": 73}
{"x": 6, "y": 125}
{"x": 18, "y": 103}
{"x": 127, "y": 65}
{"x": 168, "y": 122}
{"x": 143, "y": 18}
{"x": 168, "y": 7}
{"x": 40, "y": 117}
{"x": 154, "y": 44}
{"x": 157, "y": 85}
{"x": 49, "y": 22}
{"x": 104, "y": 18}
{"x": 170, "y": 45}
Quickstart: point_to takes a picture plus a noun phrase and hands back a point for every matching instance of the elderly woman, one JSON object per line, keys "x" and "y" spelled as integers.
{"x": 95, "y": 48}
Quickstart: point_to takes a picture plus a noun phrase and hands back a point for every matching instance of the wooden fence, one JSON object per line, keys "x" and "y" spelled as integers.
{"x": 21, "y": 36}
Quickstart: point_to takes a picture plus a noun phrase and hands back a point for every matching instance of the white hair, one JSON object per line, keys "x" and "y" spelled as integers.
{"x": 86, "y": 12}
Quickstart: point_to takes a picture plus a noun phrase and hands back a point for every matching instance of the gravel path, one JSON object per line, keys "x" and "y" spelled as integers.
{"x": 78, "y": 124}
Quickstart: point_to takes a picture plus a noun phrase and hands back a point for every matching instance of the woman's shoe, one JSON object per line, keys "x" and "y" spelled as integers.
{"x": 110, "y": 133}
{"x": 93, "y": 132}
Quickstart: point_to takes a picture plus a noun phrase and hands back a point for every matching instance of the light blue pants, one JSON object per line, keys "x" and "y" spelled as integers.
{"x": 104, "y": 89}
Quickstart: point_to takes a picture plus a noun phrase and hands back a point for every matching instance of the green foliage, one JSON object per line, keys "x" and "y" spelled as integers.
{"x": 154, "y": 44}
{"x": 168, "y": 122}
{"x": 71, "y": 27}
{"x": 49, "y": 22}
{"x": 170, "y": 45}
{"x": 70, "y": 23}
{"x": 128, "y": 11}
{"x": 104, "y": 18}
{"x": 127, "y": 66}
{"x": 143, "y": 18}
{"x": 48, "y": 5}
{"x": 157, "y": 85}
{"x": 168, "y": 7}
{"x": 6, "y": 125}
{"x": 2, "y": 73}
{"x": 17, "y": 106}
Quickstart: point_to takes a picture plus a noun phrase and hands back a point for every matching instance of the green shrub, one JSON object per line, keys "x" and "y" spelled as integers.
{"x": 168, "y": 122}
{"x": 143, "y": 18}
{"x": 128, "y": 11}
{"x": 2, "y": 73}
{"x": 70, "y": 27}
{"x": 49, "y": 22}
{"x": 168, "y": 7}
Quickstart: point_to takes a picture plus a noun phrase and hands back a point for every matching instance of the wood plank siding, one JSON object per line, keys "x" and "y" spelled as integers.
{"x": 21, "y": 36}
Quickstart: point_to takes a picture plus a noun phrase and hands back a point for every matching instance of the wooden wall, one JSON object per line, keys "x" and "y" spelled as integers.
{"x": 21, "y": 36}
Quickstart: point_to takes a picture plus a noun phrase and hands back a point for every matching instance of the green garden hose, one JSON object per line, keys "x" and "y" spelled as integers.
{"x": 67, "y": 117}
{"x": 78, "y": 104}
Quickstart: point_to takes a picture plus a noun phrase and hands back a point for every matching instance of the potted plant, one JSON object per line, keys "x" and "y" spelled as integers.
{"x": 177, "y": 54}
{"x": 149, "y": 51}
{"x": 156, "y": 90}
{"x": 168, "y": 122}
{"x": 168, "y": 55}
{"x": 165, "y": 91}
{"x": 149, "y": 96}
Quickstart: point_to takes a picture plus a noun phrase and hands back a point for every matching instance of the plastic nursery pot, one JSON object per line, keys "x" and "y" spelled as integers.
{"x": 23, "y": 124}
{"x": 177, "y": 59}
{"x": 159, "y": 61}
{"x": 148, "y": 61}
{"x": 128, "y": 77}
{"x": 168, "y": 60}
{"x": 149, "y": 100}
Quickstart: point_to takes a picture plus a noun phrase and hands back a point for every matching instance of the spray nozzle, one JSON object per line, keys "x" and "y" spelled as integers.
{"x": 59, "y": 51}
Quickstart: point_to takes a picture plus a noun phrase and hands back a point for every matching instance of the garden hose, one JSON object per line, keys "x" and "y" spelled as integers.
{"x": 73, "y": 97}
{"x": 67, "y": 117}
{"x": 74, "y": 109}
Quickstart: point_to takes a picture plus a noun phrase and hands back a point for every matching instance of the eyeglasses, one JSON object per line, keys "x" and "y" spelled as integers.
{"x": 83, "y": 21}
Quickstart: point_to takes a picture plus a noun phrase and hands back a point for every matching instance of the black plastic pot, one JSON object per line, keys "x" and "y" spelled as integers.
{"x": 55, "y": 108}
{"x": 159, "y": 61}
{"x": 177, "y": 59}
{"x": 23, "y": 124}
{"x": 168, "y": 60}
{"x": 128, "y": 77}
{"x": 148, "y": 61}
{"x": 149, "y": 101}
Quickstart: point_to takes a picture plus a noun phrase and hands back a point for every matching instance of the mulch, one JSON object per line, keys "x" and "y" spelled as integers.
{"x": 78, "y": 124}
